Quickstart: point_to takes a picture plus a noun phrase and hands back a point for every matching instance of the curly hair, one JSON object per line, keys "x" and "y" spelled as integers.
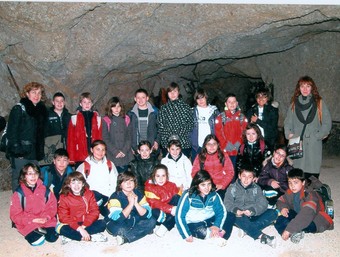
{"x": 74, "y": 176}
{"x": 33, "y": 85}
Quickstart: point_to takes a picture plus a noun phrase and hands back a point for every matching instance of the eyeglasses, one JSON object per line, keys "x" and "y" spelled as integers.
{"x": 32, "y": 174}
{"x": 280, "y": 154}
{"x": 261, "y": 97}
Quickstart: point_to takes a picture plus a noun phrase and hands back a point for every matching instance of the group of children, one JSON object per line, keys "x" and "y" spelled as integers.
{"x": 232, "y": 178}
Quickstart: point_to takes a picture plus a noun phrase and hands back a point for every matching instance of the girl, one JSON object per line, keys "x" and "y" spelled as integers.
{"x": 100, "y": 173}
{"x": 308, "y": 108}
{"x": 117, "y": 134}
{"x": 144, "y": 163}
{"x": 204, "y": 121}
{"x": 163, "y": 196}
{"x": 216, "y": 162}
{"x": 78, "y": 211}
{"x": 253, "y": 150}
{"x": 201, "y": 213}
{"x": 273, "y": 177}
{"x": 33, "y": 208}
{"x": 130, "y": 214}
{"x": 229, "y": 127}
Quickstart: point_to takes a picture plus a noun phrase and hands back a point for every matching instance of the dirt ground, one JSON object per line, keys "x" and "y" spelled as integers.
{"x": 327, "y": 244}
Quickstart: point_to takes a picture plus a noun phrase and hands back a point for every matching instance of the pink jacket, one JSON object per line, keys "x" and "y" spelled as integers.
{"x": 36, "y": 207}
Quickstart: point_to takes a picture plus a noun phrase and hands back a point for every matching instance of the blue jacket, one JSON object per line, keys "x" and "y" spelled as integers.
{"x": 192, "y": 209}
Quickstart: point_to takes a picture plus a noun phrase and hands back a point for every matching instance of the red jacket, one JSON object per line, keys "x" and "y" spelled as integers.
{"x": 76, "y": 210}
{"x": 35, "y": 207}
{"x": 220, "y": 174}
{"x": 159, "y": 197}
{"x": 76, "y": 136}
{"x": 229, "y": 132}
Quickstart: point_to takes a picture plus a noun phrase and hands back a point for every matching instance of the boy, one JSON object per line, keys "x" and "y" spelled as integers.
{"x": 175, "y": 118}
{"x": 53, "y": 175}
{"x": 143, "y": 119}
{"x": 302, "y": 210}
{"x": 229, "y": 126}
{"x": 245, "y": 202}
{"x": 56, "y": 127}
{"x": 84, "y": 128}
{"x": 178, "y": 164}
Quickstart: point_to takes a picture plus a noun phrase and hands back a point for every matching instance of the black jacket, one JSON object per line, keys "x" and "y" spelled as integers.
{"x": 25, "y": 130}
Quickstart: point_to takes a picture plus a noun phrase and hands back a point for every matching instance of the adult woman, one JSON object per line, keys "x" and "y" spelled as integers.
{"x": 25, "y": 129}
{"x": 308, "y": 108}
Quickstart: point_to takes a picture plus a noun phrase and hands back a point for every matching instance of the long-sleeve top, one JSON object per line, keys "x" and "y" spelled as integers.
{"x": 193, "y": 209}
{"x": 35, "y": 207}
{"x": 76, "y": 210}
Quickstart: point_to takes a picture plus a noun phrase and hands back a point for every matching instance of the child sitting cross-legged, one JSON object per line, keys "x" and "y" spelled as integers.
{"x": 302, "y": 210}
{"x": 245, "y": 202}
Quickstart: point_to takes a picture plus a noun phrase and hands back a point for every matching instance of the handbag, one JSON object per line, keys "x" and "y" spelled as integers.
{"x": 294, "y": 148}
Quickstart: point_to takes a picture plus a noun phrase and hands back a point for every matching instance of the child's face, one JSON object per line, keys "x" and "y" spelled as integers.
{"x": 261, "y": 99}
{"x": 231, "y": 103}
{"x": 246, "y": 178}
{"x": 141, "y": 99}
{"x": 144, "y": 151}
{"x": 174, "y": 151}
{"x": 34, "y": 95}
{"x": 295, "y": 184}
{"x": 202, "y": 102}
{"x": 86, "y": 104}
{"x": 173, "y": 95}
{"x": 279, "y": 157}
{"x": 205, "y": 187}
{"x": 76, "y": 186}
{"x": 127, "y": 186}
{"x": 160, "y": 177}
{"x": 116, "y": 109}
{"x": 61, "y": 163}
{"x": 251, "y": 135}
{"x": 58, "y": 103}
{"x": 31, "y": 177}
{"x": 98, "y": 152}
{"x": 211, "y": 146}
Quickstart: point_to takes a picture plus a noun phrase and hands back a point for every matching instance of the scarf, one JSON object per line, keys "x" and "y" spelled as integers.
{"x": 299, "y": 107}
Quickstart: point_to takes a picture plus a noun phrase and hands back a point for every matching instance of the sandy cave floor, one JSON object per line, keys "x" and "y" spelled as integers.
{"x": 327, "y": 244}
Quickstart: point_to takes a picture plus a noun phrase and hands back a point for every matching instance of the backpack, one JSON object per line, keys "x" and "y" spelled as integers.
{"x": 262, "y": 147}
{"x": 4, "y": 138}
{"x": 87, "y": 167}
{"x": 224, "y": 118}
{"x": 47, "y": 175}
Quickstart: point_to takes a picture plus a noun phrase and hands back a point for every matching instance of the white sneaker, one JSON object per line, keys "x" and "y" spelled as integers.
{"x": 221, "y": 242}
{"x": 241, "y": 233}
{"x": 120, "y": 240}
{"x": 65, "y": 240}
{"x": 161, "y": 231}
{"x": 99, "y": 237}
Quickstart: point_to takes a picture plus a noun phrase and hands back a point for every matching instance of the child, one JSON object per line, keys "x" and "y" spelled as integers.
{"x": 204, "y": 121}
{"x": 175, "y": 118}
{"x": 245, "y": 202}
{"x": 200, "y": 212}
{"x": 144, "y": 163}
{"x": 178, "y": 164}
{"x": 117, "y": 134}
{"x": 253, "y": 150}
{"x": 78, "y": 212}
{"x": 56, "y": 127}
{"x": 216, "y": 162}
{"x": 84, "y": 128}
{"x": 302, "y": 210}
{"x": 273, "y": 177}
{"x": 163, "y": 196}
{"x": 265, "y": 114}
{"x": 130, "y": 213}
{"x": 100, "y": 173}
{"x": 33, "y": 208}
{"x": 229, "y": 127}
{"x": 143, "y": 118}
{"x": 54, "y": 174}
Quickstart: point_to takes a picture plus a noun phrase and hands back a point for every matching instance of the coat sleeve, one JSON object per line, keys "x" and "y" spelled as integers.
{"x": 326, "y": 124}
{"x": 64, "y": 213}
{"x": 154, "y": 199}
{"x": 288, "y": 123}
{"x": 17, "y": 214}
{"x": 229, "y": 200}
{"x": 196, "y": 166}
{"x": 187, "y": 168}
{"x": 93, "y": 211}
{"x": 261, "y": 202}
{"x": 71, "y": 145}
{"x": 219, "y": 132}
{"x": 220, "y": 212}
{"x": 181, "y": 212}
{"x": 50, "y": 210}
{"x": 13, "y": 131}
{"x": 228, "y": 169}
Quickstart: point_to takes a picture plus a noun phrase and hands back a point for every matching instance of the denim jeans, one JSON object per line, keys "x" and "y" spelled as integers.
{"x": 50, "y": 235}
{"x": 103, "y": 201}
{"x": 282, "y": 222}
{"x": 169, "y": 221}
{"x": 96, "y": 227}
{"x": 129, "y": 232}
{"x": 253, "y": 225}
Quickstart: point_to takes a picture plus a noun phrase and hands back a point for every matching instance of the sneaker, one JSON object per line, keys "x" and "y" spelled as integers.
{"x": 65, "y": 240}
{"x": 271, "y": 207}
{"x": 120, "y": 240}
{"x": 161, "y": 231}
{"x": 241, "y": 233}
{"x": 296, "y": 237}
{"x": 220, "y": 241}
{"x": 99, "y": 237}
{"x": 268, "y": 240}
{"x": 270, "y": 193}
